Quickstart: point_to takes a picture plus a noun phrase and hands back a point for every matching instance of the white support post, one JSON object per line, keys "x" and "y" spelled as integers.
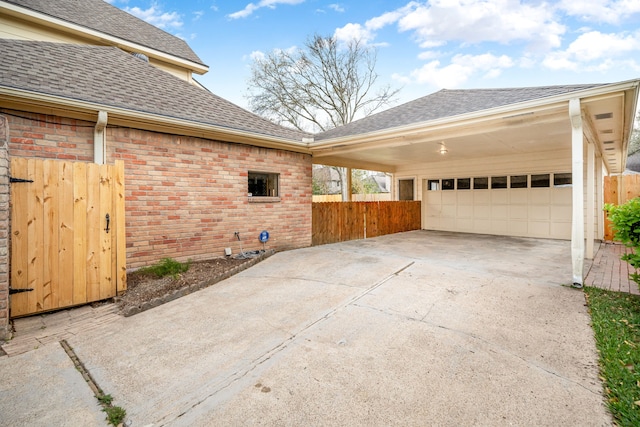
{"x": 600, "y": 197}
{"x": 591, "y": 201}
{"x": 100, "y": 139}
{"x": 577, "y": 170}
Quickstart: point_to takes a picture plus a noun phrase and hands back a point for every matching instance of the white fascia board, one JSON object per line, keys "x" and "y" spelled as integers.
{"x": 149, "y": 121}
{"x": 67, "y": 26}
{"x": 476, "y": 117}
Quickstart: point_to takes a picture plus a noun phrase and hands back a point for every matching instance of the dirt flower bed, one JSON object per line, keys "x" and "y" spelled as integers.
{"x": 145, "y": 291}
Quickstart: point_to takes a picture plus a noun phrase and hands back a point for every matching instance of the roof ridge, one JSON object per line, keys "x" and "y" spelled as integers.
{"x": 101, "y": 16}
{"x": 109, "y": 76}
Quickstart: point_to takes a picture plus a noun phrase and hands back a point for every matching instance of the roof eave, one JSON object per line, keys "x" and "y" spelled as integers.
{"x": 102, "y": 38}
{"x": 475, "y": 117}
{"x": 83, "y": 110}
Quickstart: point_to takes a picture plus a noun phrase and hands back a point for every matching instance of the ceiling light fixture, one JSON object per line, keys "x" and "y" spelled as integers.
{"x": 443, "y": 149}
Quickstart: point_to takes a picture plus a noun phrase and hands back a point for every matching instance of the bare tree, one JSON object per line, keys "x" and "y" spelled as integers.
{"x": 634, "y": 142}
{"x": 324, "y": 85}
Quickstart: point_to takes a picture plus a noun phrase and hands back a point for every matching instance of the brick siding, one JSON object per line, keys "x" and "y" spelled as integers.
{"x": 185, "y": 196}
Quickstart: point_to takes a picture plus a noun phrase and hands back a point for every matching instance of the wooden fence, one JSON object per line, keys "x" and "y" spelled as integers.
{"x": 340, "y": 221}
{"x": 619, "y": 190}
{"x": 374, "y": 197}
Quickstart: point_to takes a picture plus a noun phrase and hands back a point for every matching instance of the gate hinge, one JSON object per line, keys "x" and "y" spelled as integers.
{"x": 17, "y": 291}
{"x": 12, "y": 179}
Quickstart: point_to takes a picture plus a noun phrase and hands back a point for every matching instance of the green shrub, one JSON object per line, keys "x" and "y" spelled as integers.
{"x": 626, "y": 225}
{"x": 166, "y": 267}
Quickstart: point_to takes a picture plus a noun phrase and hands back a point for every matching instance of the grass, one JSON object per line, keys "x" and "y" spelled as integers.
{"x": 166, "y": 267}
{"x": 115, "y": 414}
{"x": 616, "y": 324}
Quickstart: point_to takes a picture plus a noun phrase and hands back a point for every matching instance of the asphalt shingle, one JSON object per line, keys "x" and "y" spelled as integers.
{"x": 447, "y": 103}
{"x": 101, "y": 16}
{"x": 111, "y": 77}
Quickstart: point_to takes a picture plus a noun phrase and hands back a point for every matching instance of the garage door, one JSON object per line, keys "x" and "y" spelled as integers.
{"x": 537, "y": 205}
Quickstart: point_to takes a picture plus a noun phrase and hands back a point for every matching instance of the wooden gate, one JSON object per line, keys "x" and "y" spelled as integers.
{"x": 67, "y": 234}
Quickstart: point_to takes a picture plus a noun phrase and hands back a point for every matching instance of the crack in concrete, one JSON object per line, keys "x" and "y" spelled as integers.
{"x": 238, "y": 375}
{"x": 492, "y": 345}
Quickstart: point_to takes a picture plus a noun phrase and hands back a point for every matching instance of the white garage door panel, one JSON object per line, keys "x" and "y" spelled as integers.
{"x": 540, "y": 196}
{"x": 482, "y": 211}
{"x": 540, "y": 212}
{"x": 481, "y": 197}
{"x": 499, "y": 196}
{"x": 519, "y": 196}
{"x": 518, "y": 212}
{"x": 539, "y": 229}
{"x": 465, "y": 197}
{"x": 527, "y": 212}
{"x": 517, "y": 228}
{"x": 500, "y": 212}
{"x": 464, "y": 224}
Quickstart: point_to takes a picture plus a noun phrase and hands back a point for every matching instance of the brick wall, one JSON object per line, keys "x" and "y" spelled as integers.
{"x": 4, "y": 229}
{"x": 185, "y": 197}
{"x": 52, "y": 137}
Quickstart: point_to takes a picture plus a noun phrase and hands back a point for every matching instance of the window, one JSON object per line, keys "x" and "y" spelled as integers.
{"x": 539, "y": 181}
{"x": 480, "y": 183}
{"x": 519, "y": 181}
{"x": 464, "y": 183}
{"x": 448, "y": 184}
{"x": 562, "y": 180}
{"x": 405, "y": 189}
{"x": 263, "y": 184}
{"x": 434, "y": 185}
{"x": 499, "y": 182}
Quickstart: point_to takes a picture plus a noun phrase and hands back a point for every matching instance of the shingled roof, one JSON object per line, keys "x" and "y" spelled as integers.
{"x": 111, "y": 77}
{"x": 101, "y": 16}
{"x": 447, "y": 103}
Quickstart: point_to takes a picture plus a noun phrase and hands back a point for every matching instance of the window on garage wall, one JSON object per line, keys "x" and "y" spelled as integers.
{"x": 540, "y": 181}
{"x": 498, "y": 182}
{"x": 562, "y": 180}
{"x": 480, "y": 183}
{"x": 405, "y": 189}
{"x": 434, "y": 185}
{"x": 464, "y": 183}
{"x": 448, "y": 184}
{"x": 519, "y": 181}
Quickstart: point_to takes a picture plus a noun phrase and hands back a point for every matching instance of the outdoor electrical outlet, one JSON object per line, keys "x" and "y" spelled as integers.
{"x": 227, "y": 251}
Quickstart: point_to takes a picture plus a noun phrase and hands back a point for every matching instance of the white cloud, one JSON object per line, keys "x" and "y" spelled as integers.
{"x": 477, "y": 21}
{"x": 156, "y": 16}
{"x": 197, "y": 15}
{"x": 367, "y": 31}
{"x": 252, "y": 7}
{"x": 438, "y": 22}
{"x": 458, "y": 71}
{"x": 257, "y": 55}
{"x": 353, "y": 32}
{"x": 336, "y": 7}
{"x": 608, "y": 11}
{"x": 594, "y": 50}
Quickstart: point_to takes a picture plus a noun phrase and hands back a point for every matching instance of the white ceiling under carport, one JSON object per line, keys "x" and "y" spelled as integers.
{"x": 534, "y": 126}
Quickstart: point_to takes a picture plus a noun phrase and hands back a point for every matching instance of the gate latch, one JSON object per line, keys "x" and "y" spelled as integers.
{"x": 12, "y": 179}
{"x": 17, "y": 291}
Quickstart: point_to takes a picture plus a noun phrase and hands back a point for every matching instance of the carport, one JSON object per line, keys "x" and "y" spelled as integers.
{"x": 526, "y": 162}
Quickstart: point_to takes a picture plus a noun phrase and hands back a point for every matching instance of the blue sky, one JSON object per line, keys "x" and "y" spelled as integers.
{"x": 423, "y": 46}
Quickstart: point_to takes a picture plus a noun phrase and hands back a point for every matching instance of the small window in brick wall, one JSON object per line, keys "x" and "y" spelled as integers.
{"x": 263, "y": 184}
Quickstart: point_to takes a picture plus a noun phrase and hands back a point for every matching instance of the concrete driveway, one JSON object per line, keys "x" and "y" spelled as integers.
{"x": 413, "y": 329}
